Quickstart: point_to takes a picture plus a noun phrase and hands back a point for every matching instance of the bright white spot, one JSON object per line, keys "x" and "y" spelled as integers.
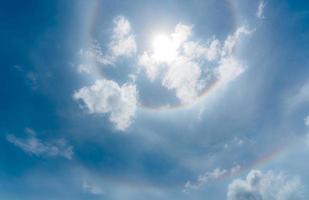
{"x": 165, "y": 50}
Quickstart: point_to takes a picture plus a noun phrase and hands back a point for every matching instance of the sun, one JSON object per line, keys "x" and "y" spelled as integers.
{"x": 165, "y": 49}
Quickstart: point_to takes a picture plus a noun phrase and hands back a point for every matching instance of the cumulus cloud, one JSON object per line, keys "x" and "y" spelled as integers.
{"x": 106, "y": 96}
{"x": 123, "y": 40}
{"x": 149, "y": 65}
{"x": 265, "y": 186}
{"x": 34, "y": 146}
{"x": 198, "y": 51}
{"x": 260, "y": 10}
{"x": 211, "y": 176}
{"x": 181, "y": 33}
{"x": 190, "y": 64}
{"x": 183, "y": 75}
{"x": 229, "y": 68}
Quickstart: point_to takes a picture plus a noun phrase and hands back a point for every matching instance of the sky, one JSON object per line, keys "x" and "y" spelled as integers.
{"x": 156, "y": 100}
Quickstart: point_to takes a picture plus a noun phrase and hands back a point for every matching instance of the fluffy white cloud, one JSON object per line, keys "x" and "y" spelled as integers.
{"x": 195, "y": 50}
{"x": 183, "y": 75}
{"x": 265, "y": 186}
{"x": 35, "y": 146}
{"x": 211, "y": 176}
{"x": 181, "y": 34}
{"x": 150, "y": 65}
{"x": 123, "y": 41}
{"x": 106, "y": 96}
{"x": 187, "y": 67}
{"x": 229, "y": 68}
{"x": 260, "y": 10}
{"x": 186, "y": 64}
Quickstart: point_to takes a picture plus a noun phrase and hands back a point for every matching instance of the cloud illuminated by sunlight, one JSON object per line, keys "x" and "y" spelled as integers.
{"x": 182, "y": 65}
{"x": 165, "y": 49}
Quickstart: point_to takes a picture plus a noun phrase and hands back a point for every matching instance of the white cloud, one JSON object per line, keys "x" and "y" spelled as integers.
{"x": 200, "y": 112}
{"x": 190, "y": 63}
{"x": 235, "y": 169}
{"x": 84, "y": 69}
{"x": 229, "y": 68}
{"x": 94, "y": 53}
{"x": 123, "y": 41}
{"x": 265, "y": 186}
{"x": 91, "y": 57}
{"x": 211, "y": 176}
{"x": 301, "y": 97}
{"x": 235, "y": 142}
{"x": 195, "y": 50}
{"x": 150, "y": 65}
{"x": 183, "y": 75}
{"x": 35, "y": 146}
{"x": 92, "y": 188}
{"x": 106, "y": 96}
{"x": 260, "y": 10}
{"x": 232, "y": 40}
{"x": 181, "y": 34}
{"x": 187, "y": 67}
{"x": 307, "y": 121}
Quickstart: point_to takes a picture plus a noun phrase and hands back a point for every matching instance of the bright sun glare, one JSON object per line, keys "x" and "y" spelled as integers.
{"x": 165, "y": 49}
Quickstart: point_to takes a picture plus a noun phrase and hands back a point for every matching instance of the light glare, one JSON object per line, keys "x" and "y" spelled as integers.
{"x": 164, "y": 48}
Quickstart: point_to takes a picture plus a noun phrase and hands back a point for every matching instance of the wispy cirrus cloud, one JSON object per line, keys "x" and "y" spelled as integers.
{"x": 122, "y": 44}
{"x": 207, "y": 177}
{"x": 260, "y": 10}
{"x": 300, "y": 96}
{"x": 92, "y": 188}
{"x": 35, "y": 146}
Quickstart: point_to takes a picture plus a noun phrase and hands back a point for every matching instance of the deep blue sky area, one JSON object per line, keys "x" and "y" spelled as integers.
{"x": 156, "y": 100}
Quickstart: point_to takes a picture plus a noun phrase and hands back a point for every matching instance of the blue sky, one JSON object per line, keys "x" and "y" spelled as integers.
{"x": 121, "y": 100}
